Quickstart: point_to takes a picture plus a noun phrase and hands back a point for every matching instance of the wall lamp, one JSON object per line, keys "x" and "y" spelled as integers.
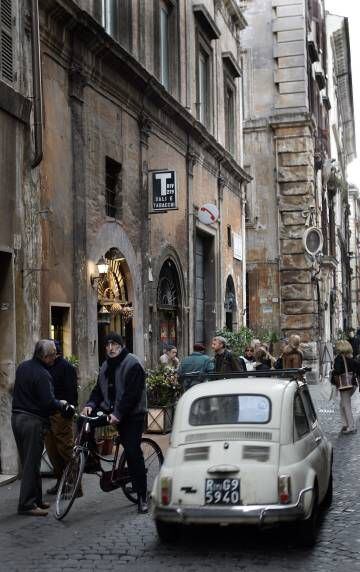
{"x": 102, "y": 267}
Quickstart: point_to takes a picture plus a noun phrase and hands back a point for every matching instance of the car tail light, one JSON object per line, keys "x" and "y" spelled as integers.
{"x": 165, "y": 489}
{"x": 284, "y": 489}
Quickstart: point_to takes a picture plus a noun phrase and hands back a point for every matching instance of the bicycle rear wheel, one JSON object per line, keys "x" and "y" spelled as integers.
{"x": 153, "y": 458}
{"x": 70, "y": 484}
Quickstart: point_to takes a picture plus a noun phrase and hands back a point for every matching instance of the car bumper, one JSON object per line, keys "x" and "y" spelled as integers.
{"x": 244, "y": 514}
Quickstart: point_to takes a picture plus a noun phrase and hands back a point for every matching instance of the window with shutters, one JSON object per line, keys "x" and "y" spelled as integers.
{"x": 6, "y": 41}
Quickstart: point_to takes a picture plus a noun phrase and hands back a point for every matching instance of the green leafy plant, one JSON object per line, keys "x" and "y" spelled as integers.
{"x": 162, "y": 387}
{"x": 74, "y": 360}
{"x": 237, "y": 341}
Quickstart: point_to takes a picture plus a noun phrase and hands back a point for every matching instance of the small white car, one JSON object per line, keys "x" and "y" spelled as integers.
{"x": 244, "y": 451}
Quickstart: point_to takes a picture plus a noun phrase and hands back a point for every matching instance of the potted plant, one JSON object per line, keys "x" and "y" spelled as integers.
{"x": 163, "y": 390}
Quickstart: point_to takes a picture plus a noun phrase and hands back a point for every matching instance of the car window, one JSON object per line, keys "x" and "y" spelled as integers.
{"x": 309, "y": 406}
{"x": 301, "y": 424}
{"x": 226, "y": 409}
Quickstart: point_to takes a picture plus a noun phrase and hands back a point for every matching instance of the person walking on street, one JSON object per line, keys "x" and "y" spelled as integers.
{"x": 33, "y": 402}
{"x": 121, "y": 393}
{"x": 169, "y": 358}
{"x": 59, "y": 440}
{"x": 344, "y": 363}
{"x": 197, "y": 363}
{"x": 292, "y": 356}
{"x": 356, "y": 344}
{"x": 224, "y": 360}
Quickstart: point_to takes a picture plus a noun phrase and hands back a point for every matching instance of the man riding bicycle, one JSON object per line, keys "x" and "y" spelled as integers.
{"x": 121, "y": 393}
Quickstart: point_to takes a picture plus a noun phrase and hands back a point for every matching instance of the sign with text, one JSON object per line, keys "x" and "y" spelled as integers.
{"x": 164, "y": 192}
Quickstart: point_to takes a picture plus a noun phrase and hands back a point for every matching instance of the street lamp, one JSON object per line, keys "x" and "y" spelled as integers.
{"x": 102, "y": 267}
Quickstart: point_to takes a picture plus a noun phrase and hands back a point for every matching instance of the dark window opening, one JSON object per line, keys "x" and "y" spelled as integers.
{"x": 60, "y": 327}
{"x": 113, "y": 195}
{"x": 229, "y": 236}
{"x": 229, "y": 116}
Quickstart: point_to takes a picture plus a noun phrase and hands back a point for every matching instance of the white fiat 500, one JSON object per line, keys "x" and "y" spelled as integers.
{"x": 244, "y": 451}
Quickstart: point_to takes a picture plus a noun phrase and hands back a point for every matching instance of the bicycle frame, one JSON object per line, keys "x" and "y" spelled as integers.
{"x": 109, "y": 480}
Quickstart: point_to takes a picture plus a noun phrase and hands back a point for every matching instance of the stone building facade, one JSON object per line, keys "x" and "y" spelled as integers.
{"x": 290, "y": 217}
{"x": 135, "y": 125}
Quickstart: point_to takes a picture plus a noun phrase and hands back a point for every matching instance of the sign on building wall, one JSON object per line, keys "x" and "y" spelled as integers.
{"x": 237, "y": 246}
{"x": 164, "y": 191}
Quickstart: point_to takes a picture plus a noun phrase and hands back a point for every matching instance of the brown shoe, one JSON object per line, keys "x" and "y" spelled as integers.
{"x": 44, "y": 505}
{"x": 34, "y": 512}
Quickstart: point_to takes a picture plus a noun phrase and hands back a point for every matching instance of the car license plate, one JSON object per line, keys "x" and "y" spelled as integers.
{"x": 222, "y": 491}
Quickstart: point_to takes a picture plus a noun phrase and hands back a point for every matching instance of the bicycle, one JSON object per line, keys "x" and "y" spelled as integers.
{"x": 117, "y": 477}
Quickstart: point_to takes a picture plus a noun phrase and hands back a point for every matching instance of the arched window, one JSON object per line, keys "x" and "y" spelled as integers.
{"x": 168, "y": 303}
{"x": 230, "y": 303}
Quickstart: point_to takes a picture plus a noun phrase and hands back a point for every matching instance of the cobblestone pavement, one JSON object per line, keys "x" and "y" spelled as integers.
{"x": 104, "y": 532}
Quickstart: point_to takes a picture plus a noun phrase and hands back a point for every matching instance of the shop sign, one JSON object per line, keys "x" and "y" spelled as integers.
{"x": 164, "y": 191}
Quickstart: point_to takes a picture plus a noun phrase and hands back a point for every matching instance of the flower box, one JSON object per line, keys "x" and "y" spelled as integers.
{"x": 160, "y": 419}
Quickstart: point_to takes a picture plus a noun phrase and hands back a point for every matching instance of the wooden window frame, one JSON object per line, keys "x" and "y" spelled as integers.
{"x": 203, "y": 46}
{"x": 171, "y": 6}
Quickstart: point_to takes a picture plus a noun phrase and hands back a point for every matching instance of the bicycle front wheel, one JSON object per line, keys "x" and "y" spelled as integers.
{"x": 153, "y": 459}
{"x": 69, "y": 488}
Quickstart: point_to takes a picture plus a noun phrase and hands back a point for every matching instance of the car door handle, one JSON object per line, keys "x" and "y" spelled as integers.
{"x": 318, "y": 439}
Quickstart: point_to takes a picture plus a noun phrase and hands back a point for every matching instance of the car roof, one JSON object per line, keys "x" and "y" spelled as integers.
{"x": 269, "y": 386}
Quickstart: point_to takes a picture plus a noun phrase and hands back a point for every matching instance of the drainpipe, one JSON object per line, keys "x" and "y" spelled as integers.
{"x": 37, "y": 92}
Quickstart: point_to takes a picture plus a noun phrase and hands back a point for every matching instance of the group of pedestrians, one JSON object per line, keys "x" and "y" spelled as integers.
{"x": 256, "y": 357}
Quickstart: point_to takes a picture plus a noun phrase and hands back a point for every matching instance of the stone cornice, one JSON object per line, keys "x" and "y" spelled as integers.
{"x": 75, "y": 26}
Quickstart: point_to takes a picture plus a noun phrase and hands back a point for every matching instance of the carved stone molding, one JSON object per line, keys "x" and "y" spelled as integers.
{"x": 144, "y": 128}
{"x": 77, "y": 83}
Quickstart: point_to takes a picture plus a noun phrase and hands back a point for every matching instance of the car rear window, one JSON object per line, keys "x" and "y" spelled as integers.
{"x": 230, "y": 409}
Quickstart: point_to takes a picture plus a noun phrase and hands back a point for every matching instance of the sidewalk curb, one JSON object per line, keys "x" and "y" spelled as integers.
{"x": 7, "y": 479}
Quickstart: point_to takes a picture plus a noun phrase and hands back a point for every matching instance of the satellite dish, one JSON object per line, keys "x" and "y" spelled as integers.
{"x": 208, "y": 213}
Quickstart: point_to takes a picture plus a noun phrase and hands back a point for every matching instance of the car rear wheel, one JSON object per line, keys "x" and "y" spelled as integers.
{"x": 308, "y": 529}
{"x": 168, "y": 531}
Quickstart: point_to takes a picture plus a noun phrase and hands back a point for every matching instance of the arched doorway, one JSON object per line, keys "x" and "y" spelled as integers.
{"x": 115, "y": 307}
{"x": 168, "y": 305}
{"x": 230, "y": 304}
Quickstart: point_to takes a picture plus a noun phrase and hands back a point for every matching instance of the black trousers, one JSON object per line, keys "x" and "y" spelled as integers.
{"x": 29, "y": 436}
{"x": 130, "y": 431}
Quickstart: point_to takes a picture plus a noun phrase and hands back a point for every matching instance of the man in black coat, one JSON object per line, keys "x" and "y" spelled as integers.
{"x": 121, "y": 393}
{"x": 33, "y": 402}
{"x": 59, "y": 440}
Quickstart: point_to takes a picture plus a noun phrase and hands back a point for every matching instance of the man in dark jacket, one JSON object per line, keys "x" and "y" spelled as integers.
{"x": 197, "y": 363}
{"x": 120, "y": 392}
{"x": 33, "y": 402}
{"x": 59, "y": 440}
{"x": 225, "y": 361}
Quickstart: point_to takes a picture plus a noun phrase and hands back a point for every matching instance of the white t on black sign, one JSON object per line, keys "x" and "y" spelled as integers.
{"x": 164, "y": 195}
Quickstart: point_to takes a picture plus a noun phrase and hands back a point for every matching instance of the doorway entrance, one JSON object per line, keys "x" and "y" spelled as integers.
{"x": 115, "y": 306}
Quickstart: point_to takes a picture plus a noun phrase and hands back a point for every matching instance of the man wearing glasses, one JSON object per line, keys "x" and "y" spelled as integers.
{"x": 120, "y": 392}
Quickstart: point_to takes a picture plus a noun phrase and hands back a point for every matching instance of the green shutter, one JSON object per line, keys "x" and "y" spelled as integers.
{"x": 6, "y": 41}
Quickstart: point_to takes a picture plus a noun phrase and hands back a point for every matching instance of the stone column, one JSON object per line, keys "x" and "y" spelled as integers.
{"x": 296, "y": 202}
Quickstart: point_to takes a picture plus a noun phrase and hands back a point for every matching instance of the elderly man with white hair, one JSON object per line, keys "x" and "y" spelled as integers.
{"x": 33, "y": 403}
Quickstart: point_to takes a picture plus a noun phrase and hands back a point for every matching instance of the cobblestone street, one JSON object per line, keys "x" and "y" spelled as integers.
{"x": 104, "y": 532}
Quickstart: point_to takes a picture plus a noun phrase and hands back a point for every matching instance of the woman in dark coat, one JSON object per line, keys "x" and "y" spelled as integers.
{"x": 344, "y": 355}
